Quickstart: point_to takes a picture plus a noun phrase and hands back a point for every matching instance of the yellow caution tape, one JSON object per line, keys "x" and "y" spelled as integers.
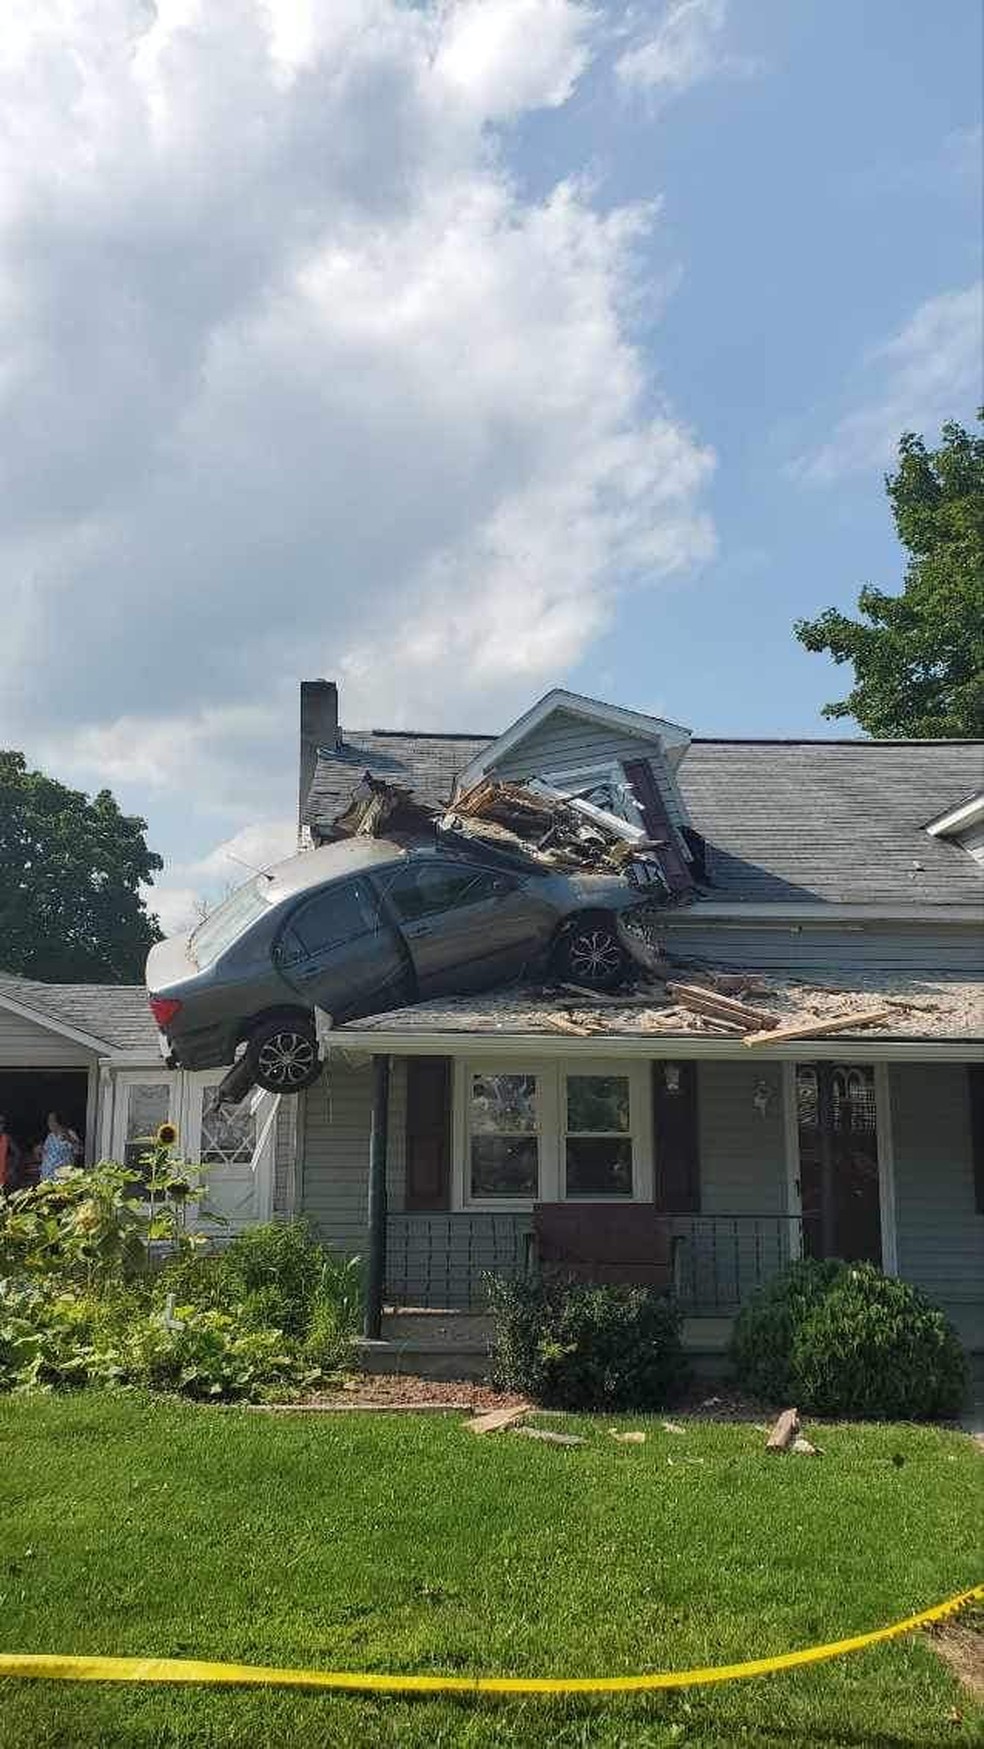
{"x": 67, "y": 1669}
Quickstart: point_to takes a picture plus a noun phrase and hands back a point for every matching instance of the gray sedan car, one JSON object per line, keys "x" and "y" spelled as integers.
{"x": 362, "y": 926}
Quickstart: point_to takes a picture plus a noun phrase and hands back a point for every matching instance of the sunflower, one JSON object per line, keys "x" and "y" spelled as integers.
{"x": 167, "y": 1135}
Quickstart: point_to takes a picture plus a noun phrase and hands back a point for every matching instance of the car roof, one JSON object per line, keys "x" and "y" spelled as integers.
{"x": 330, "y": 862}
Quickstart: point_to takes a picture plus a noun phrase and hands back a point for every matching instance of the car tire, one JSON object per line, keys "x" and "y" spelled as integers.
{"x": 590, "y": 952}
{"x": 283, "y": 1054}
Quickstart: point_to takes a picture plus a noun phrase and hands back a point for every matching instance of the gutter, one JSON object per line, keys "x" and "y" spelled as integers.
{"x": 505, "y": 1045}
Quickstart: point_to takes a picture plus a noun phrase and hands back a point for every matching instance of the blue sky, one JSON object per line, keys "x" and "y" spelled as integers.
{"x": 457, "y": 350}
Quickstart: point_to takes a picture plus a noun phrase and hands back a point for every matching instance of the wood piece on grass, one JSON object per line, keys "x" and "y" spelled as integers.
{"x": 632, "y": 1437}
{"x": 820, "y": 1028}
{"x": 722, "y": 1007}
{"x": 784, "y": 1431}
{"x": 494, "y": 1420}
{"x": 549, "y": 1438}
{"x": 673, "y": 1427}
{"x": 804, "y": 1448}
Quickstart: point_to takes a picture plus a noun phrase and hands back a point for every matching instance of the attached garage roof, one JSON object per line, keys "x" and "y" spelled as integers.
{"x": 114, "y": 1016}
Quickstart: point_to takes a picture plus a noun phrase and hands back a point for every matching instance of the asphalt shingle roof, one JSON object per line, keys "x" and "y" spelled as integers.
{"x": 115, "y": 1013}
{"x": 792, "y": 822}
{"x": 428, "y": 764}
{"x": 795, "y": 822}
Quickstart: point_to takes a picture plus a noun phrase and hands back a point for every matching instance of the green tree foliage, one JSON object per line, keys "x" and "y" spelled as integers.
{"x": 919, "y": 657}
{"x": 70, "y": 873}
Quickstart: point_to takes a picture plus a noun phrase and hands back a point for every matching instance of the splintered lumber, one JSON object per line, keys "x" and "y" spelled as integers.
{"x": 819, "y": 1028}
{"x": 784, "y": 1431}
{"x": 494, "y": 1420}
{"x": 549, "y": 1438}
{"x": 560, "y": 1023}
{"x": 720, "y": 1007}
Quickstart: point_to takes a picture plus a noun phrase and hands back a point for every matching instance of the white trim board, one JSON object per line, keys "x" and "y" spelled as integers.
{"x": 958, "y": 819}
{"x": 652, "y": 1045}
{"x": 672, "y": 737}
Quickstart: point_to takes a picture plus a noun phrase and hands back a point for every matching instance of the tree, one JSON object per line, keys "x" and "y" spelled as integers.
{"x": 919, "y": 661}
{"x": 70, "y": 870}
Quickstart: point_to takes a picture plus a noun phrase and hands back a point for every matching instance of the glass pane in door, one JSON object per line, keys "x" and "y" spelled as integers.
{"x": 838, "y": 1152}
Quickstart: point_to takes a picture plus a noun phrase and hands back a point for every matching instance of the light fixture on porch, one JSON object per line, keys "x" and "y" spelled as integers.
{"x": 762, "y": 1097}
{"x": 671, "y": 1077}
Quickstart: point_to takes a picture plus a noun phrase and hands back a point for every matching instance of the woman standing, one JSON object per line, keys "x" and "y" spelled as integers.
{"x": 60, "y": 1148}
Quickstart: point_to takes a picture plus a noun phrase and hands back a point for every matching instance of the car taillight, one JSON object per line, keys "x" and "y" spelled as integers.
{"x": 163, "y": 1008}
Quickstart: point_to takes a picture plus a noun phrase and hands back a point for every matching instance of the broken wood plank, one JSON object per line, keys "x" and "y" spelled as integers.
{"x": 549, "y": 1438}
{"x": 804, "y": 1448}
{"x": 560, "y": 1023}
{"x": 632, "y": 1437}
{"x": 819, "y": 1028}
{"x": 784, "y": 1431}
{"x": 721, "y": 1007}
{"x": 493, "y": 1420}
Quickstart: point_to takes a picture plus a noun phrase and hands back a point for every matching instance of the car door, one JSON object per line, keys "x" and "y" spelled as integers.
{"x": 467, "y": 926}
{"x": 340, "y": 952}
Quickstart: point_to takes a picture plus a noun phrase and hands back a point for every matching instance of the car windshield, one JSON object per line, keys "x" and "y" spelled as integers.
{"x": 222, "y": 926}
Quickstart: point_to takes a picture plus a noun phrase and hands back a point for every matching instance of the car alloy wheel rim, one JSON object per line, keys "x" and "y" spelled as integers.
{"x": 286, "y": 1058}
{"x": 595, "y": 954}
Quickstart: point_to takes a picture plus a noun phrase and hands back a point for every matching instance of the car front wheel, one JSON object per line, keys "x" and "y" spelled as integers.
{"x": 283, "y": 1055}
{"x": 591, "y": 953}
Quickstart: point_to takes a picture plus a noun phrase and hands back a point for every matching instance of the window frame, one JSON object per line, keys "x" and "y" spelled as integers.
{"x": 600, "y": 771}
{"x": 186, "y": 1095}
{"x": 551, "y": 1098}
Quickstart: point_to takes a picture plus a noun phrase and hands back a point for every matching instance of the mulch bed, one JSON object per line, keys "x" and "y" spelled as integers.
{"x": 392, "y": 1391}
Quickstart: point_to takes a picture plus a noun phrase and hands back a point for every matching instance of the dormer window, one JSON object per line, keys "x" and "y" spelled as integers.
{"x": 963, "y": 825}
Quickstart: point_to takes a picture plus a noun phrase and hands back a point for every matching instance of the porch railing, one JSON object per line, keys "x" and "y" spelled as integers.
{"x": 442, "y": 1260}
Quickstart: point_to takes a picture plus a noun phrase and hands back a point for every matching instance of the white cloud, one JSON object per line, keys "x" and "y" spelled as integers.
{"x": 302, "y": 383}
{"x": 192, "y": 887}
{"x": 926, "y": 373}
{"x": 686, "y": 48}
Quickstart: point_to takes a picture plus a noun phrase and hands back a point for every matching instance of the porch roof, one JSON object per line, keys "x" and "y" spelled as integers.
{"x": 929, "y": 1016}
{"x": 106, "y": 1018}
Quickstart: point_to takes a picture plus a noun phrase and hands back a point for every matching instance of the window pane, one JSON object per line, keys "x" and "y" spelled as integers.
{"x": 598, "y": 1102}
{"x": 228, "y": 1132}
{"x": 340, "y": 914}
{"x": 429, "y": 888}
{"x": 221, "y": 927}
{"x": 503, "y": 1103}
{"x": 504, "y": 1165}
{"x": 599, "y": 1166}
{"x": 147, "y": 1109}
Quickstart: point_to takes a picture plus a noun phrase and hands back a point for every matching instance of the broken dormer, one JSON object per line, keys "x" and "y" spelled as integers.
{"x": 618, "y": 762}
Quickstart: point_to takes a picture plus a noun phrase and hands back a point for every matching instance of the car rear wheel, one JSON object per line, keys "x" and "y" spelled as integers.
{"x": 283, "y": 1055}
{"x": 591, "y": 953}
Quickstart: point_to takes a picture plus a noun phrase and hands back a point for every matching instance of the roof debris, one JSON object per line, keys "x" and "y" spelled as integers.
{"x": 533, "y": 821}
{"x": 910, "y": 1007}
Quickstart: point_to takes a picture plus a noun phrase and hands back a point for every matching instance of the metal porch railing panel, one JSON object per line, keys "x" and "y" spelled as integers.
{"x": 442, "y": 1260}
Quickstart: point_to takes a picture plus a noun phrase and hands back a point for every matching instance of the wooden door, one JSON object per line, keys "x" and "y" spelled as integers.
{"x": 838, "y": 1159}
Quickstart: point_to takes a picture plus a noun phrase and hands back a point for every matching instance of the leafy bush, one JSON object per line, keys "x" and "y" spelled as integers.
{"x": 576, "y": 1346}
{"x": 762, "y": 1344}
{"x": 844, "y": 1339}
{"x": 94, "y": 1225}
{"x": 80, "y": 1303}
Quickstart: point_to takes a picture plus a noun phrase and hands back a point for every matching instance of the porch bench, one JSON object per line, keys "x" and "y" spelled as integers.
{"x": 630, "y": 1245}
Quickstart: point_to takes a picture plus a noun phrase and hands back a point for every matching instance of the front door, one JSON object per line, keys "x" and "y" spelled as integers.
{"x": 838, "y": 1159}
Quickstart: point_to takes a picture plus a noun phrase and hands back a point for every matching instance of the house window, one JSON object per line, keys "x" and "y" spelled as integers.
{"x": 605, "y": 786}
{"x": 598, "y": 1136}
{"x": 228, "y": 1132}
{"x": 504, "y": 1146}
{"x": 148, "y": 1106}
{"x": 552, "y": 1132}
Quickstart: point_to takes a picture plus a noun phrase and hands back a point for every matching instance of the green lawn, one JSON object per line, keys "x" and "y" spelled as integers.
{"x": 130, "y": 1526}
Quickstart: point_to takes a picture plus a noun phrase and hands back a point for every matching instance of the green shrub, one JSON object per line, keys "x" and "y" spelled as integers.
{"x": 208, "y": 1354}
{"x": 93, "y": 1225}
{"x": 762, "y": 1344}
{"x": 576, "y": 1346}
{"x": 844, "y": 1339}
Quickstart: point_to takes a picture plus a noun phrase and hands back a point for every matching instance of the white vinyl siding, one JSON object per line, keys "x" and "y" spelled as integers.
{"x": 940, "y": 1235}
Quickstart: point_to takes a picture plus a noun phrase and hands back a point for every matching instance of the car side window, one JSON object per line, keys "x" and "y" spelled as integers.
{"x": 339, "y": 914}
{"x": 427, "y": 888}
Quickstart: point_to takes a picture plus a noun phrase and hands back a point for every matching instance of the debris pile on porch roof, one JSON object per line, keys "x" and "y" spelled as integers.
{"x": 690, "y": 1003}
{"x": 534, "y": 821}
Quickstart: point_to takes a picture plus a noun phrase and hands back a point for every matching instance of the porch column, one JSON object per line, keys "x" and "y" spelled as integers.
{"x": 376, "y": 1270}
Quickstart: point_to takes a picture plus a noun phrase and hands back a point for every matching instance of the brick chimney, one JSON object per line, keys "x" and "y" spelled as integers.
{"x": 319, "y": 728}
